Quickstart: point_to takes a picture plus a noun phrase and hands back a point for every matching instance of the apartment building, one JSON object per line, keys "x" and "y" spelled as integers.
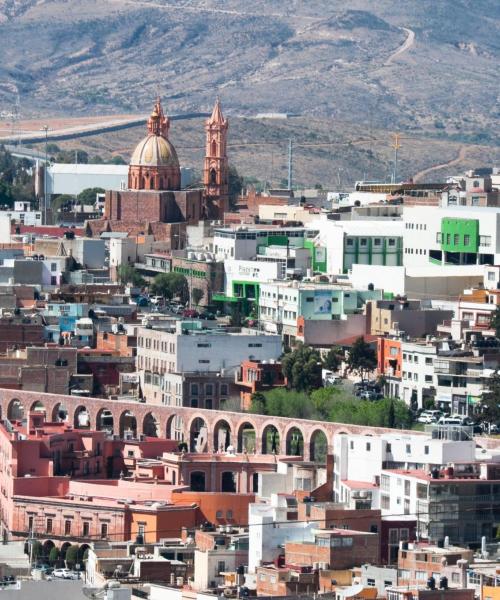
{"x": 176, "y": 346}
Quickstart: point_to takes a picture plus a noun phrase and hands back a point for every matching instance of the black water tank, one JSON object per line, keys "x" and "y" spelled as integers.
{"x": 443, "y": 583}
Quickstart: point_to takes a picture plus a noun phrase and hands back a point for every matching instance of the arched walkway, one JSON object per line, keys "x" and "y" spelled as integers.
{"x": 270, "y": 440}
{"x": 294, "y": 442}
{"x": 247, "y": 438}
{"x": 128, "y": 425}
{"x": 81, "y": 419}
{"x": 47, "y": 547}
{"x": 38, "y": 406}
{"x": 175, "y": 428}
{"x": 104, "y": 420}
{"x": 222, "y": 435}
{"x": 198, "y": 435}
{"x": 318, "y": 446}
{"x": 15, "y": 410}
{"x": 150, "y": 425}
{"x": 59, "y": 413}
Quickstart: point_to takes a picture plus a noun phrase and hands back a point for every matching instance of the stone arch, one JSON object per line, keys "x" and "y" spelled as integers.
{"x": 82, "y": 549}
{"x": 47, "y": 547}
{"x": 150, "y": 425}
{"x": 128, "y": 425}
{"x": 174, "y": 429}
{"x": 221, "y": 435}
{"x": 198, "y": 435}
{"x": 197, "y": 481}
{"x": 294, "y": 441}
{"x": 38, "y": 406}
{"x": 270, "y": 440}
{"x": 59, "y": 413}
{"x": 318, "y": 446}
{"x": 247, "y": 437}
{"x": 81, "y": 419}
{"x": 105, "y": 421}
{"x": 15, "y": 410}
{"x": 64, "y": 549}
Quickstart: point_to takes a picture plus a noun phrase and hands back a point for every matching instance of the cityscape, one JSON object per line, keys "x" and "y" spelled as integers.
{"x": 228, "y": 370}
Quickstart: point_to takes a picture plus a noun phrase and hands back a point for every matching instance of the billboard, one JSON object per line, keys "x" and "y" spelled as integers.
{"x": 322, "y": 302}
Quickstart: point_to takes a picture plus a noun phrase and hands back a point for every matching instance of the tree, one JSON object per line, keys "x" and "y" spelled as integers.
{"x": 171, "y": 285}
{"x": 36, "y": 549}
{"x": 196, "y": 295}
{"x": 333, "y": 359}
{"x": 258, "y": 403}
{"x": 362, "y": 358}
{"x": 71, "y": 557}
{"x": 128, "y": 274}
{"x": 495, "y": 321}
{"x": 53, "y": 555}
{"x": 302, "y": 368}
{"x": 235, "y": 184}
{"x": 490, "y": 403}
{"x": 88, "y": 196}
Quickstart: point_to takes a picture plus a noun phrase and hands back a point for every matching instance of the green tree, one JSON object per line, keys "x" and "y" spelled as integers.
{"x": 171, "y": 285}
{"x": 118, "y": 160}
{"x": 196, "y": 295}
{"x": 88, "y": 196}
{"x": 362, "y": 358}
{"x": 258, "y": 404}
{"x": 490, "y": 403}
{"x": 235, "y": 184}
{"x": 53, "y": 555}
{"x": 71, "y": 557}
{"x": 128, "y": 274}
{"x": 36, "y": 549}
{"x": 495, "y": 321}
{"x": 62, "y": 201}
{"x": 333, "y": 359}
{"x": 302, "y": 368}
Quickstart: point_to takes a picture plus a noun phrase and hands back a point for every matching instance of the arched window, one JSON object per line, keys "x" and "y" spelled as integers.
{"x": 213, "y": 177}
{"x": 214, "y": 148}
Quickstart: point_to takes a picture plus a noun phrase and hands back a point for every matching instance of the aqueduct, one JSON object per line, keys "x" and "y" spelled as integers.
{"x": 244, "y": 431}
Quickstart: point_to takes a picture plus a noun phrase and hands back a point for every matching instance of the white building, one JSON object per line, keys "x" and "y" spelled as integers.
{"x": 369, "y": 242}
{"x": 269, "y": 529}
{"x": 418, "y": 377}
{"x": 183, "y": 346}
{"x": 359, "y": 459}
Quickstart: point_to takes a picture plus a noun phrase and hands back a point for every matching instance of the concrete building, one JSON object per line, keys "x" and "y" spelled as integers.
{"x": 184, "y": 346}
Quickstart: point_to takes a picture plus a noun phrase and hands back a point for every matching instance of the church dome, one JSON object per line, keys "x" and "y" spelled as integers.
{"x": 154, "y": 151}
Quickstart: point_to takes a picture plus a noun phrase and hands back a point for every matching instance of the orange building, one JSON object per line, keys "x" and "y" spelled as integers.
{"x": 389, "y": 357}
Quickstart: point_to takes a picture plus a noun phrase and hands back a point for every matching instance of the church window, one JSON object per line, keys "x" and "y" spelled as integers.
{"x": 213, "y": 177}
{"x": 214, "y": 148}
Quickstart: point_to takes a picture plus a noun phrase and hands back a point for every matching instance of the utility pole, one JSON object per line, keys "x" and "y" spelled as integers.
{"x": 46, "y": 129}
{"x": 290, "y": 169}
{"x": 396, "y": 145}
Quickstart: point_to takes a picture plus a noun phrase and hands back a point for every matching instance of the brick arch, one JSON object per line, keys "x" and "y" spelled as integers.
{"x": 37, "y": 405}
{"x": 128, "y": 421}
{"x": 102, "y": 419}
{"x": 58, "y": 409}
{"x": 298, "y": 447}
{"x": 216, "y": 431}
{"x": 151, "y": 425}
{"x": 238, "y": 434}
{"x": 193, "y": 431}
{"x": 264, "y": 433}
{"x": 78, "y": 418}
{"x": 310, "y": 444}
{"x": 15, "y": 409}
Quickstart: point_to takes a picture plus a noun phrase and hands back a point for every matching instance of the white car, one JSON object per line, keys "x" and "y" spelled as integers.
{"x": 63, "y": 573}
{"x": 429, "y": 416}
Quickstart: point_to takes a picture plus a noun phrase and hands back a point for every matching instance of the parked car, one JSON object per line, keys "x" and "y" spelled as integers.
{"x": 208, "y": 316}
{"x": 62, "y": 573}
{"x": 429, "y": 416}
{"x": 450, "y": 421}
{"x": 190, "y": 313}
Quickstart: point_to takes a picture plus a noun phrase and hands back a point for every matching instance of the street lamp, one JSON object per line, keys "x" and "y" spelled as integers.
{"x": 46, "y": 129}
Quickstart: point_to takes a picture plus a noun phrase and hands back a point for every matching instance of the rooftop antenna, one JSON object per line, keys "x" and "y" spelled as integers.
{"x": 396, "y": 145}
{"x": 290, "y": 169}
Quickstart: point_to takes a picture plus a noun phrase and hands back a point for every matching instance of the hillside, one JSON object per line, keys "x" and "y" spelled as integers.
{"x": 414, "y": 66}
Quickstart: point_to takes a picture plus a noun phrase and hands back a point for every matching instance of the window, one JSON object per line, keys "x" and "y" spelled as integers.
{"x": 428, "y": 360}
{"x": 67, "y": 527}
{"x": 351, "y": 445}
{"x": 49, "y": 526}
{"x": 209, "y": 389}
{"x": 408, "y": 448}
{"x": 385, "y": 502}
{"x": 407, "y": 487}
{"x": 363, "y": 242}
{"x": 30, "y": 523}
{"x": 104, "y": 530}
{"x": 221, "y": 566}
{"x": 203, "y": 361}
{"x": 229, "y": 514}
{"x": 86, "y": 529}
{"x": 377, "y": 241}
{"x": 349, "y": 242}
{"x": 392, "y": 242}
{"x": 466, "y": 240}
{"x": 485, "y": 240}
{"x": 421, "y": 575}
{"x": 388, "y": 447}
{"x": 368, "y": 446}
{"x": 385, "y": 483}
{"x": 219, "y": 514}
{"x": 224, "y": 389}
{"x": 438, "y": 237}
{"x": 428, "y": 379}
{"x": 456, "y": 239}
{"x": 53, "y": 267}
{"x": 204, "y": 345}
{"x": 194, "y": 389}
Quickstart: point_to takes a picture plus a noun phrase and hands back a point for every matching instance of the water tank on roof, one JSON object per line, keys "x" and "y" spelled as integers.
{"x": 191, "y": 256}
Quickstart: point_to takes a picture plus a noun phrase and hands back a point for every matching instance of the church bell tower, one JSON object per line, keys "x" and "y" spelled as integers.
{"x": 216, "y": 168}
